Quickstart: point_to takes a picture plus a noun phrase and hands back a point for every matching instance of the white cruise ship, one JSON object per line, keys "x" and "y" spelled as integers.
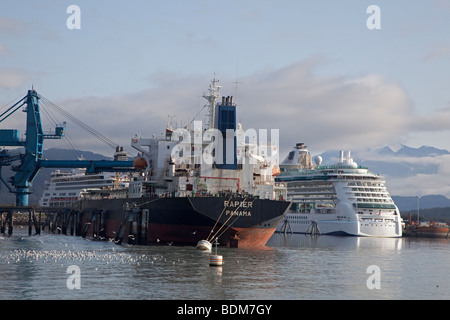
{"x": 66, "y": 188}
{"x": 340, "y": 199}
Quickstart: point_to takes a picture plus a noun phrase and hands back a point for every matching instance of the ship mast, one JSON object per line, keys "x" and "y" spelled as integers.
{"x": 212, "y": 97}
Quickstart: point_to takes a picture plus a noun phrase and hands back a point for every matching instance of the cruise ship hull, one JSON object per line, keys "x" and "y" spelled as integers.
{"x": 388, "y": 227}
{"x": 235, "y": 221}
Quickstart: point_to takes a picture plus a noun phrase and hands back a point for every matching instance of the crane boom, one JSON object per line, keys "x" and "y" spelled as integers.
{"x": 31, "y": 160}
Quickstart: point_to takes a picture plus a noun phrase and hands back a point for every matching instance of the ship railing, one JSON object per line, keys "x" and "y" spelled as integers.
{"x": 374, "y": 205}
{"x": 325, "y": 168}
{"x": 203, "y": 193}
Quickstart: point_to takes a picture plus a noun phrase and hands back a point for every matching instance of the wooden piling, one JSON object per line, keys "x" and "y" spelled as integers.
{"x": 121, "y": 232}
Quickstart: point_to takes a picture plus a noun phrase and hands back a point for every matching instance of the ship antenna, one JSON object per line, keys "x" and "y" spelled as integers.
{"x": 237, "y": 81}
{"x": 212, "y": 97}
{"x": 170, "y": 122}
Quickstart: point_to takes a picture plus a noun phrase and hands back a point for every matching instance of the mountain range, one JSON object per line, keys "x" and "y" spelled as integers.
{"x": 425, "y": 202}
{"x": 395, "y": 162}
{"x": 405, "y": 151}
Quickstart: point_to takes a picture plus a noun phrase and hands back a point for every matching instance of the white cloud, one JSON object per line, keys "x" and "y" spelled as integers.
{"x": 439, "y": 51}
{"x": 411, "y": 176}
{"x": 420, "y": 184}
{"x": 437, "y": 121}
{"x": 121, "y": 117}
{"x": 11, "y": 26}
{"x": 326, "y": 112}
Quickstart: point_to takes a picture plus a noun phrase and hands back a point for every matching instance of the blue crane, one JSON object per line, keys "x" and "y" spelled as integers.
{"x": 31, "y": 160}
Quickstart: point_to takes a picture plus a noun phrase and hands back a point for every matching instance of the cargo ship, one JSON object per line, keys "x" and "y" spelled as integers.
{"x": 206, "y": 181}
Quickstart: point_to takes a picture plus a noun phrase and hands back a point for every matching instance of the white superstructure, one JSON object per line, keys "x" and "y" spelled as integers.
{"x": 344, "y": 198}
{"x": 208, "y": 160}
{"x": 65, "y": 188}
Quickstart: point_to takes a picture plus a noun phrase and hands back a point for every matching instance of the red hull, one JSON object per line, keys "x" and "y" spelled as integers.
{"x": 254, "y": 237}
{"x": 427, "y": 232}
{"x": 190, "y": 235}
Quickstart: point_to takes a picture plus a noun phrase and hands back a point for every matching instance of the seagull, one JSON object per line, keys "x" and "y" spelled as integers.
{"x": 169, "y": 243}
{"x": 194, "y": 232}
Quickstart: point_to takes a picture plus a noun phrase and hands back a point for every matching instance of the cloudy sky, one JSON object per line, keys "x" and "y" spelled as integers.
{"x": 312, "y": 69}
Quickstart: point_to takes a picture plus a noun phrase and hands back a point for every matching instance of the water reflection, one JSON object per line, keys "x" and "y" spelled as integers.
{"x": 292, "y": 266}
{"x": 326, "y": 241}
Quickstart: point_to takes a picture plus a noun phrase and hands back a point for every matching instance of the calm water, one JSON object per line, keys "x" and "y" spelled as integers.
{"x": 290, "y": 267}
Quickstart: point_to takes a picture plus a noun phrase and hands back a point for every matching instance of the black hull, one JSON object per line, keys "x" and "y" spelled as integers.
{"x": 184, "y": 220}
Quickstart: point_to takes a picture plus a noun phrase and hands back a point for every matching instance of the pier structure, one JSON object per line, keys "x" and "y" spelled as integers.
{"x": 54, "y": 220}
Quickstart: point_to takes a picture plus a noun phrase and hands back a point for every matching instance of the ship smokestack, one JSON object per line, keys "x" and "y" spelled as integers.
{"x": 341, "y": 156}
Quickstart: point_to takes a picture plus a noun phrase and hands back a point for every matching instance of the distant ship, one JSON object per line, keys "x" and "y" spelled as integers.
{"x": 427, "y": 230}
{"x": 189, "y": 189}
{"x": 339, "y": 199}
{"x": 66, "y": 188}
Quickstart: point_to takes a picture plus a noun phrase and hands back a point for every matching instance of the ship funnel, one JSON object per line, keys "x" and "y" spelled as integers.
{"x": 120, "y": 154}
{"x": 227, "y": 101}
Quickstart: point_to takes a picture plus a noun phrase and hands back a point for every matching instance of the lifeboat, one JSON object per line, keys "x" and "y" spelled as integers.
{"x": 140, "y": 163}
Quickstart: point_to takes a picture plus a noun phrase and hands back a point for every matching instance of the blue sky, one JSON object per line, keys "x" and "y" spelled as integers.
{"x": 310, "y": 68}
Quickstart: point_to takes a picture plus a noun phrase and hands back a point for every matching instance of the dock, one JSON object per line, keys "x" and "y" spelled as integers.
{"x": 71, "y": 222}
{"x": 37, "y": 218}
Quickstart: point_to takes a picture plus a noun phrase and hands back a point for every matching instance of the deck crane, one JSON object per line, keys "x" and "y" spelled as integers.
{"x": 31, "y": 160}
